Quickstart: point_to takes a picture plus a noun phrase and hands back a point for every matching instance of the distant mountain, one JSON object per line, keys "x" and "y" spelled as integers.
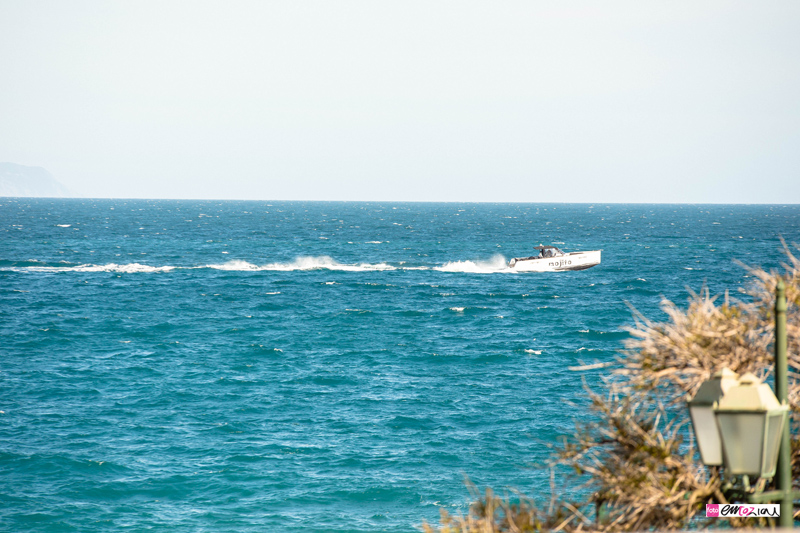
{"x": 19, "y": 180}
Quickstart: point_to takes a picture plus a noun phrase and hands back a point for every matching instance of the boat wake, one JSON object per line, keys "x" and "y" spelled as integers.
{"x": 303, "y": 263}
{"x": 129, "y": 268}
{"x": 496, "y": 264}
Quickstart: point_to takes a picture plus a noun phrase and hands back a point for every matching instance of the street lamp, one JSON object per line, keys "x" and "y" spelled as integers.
{"x": 701, "y": 410}
{"x": 751, "y": 424}
{"x": 750, "y": 420}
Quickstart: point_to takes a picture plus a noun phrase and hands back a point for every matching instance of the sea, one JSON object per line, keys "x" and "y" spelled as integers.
{"x": 250, "y": 366}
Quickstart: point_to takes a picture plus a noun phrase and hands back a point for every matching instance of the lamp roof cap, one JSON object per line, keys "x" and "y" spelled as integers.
{"x": 750, "y": 394}
{"x": 715, "y": 388}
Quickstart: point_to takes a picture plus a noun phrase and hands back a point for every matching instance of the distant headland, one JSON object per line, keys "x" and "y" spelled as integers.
{"x": 20, "y": 180}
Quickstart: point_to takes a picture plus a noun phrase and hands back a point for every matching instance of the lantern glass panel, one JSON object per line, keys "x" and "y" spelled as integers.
{"x": 743, "y": 440}
{"x": 775, "y": 423}
{"x": 705, "y": 428}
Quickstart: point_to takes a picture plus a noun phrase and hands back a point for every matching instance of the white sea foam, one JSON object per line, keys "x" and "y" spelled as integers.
{"x": 303, "y": 263}
{"x": 129, "y": 268}
{"x": 497, "y": 263}
{"x": 325, "y": 262}
{"x": 235, "y": 265}
{"x": 494, "y": 265}
{"x": 110, "y": 267}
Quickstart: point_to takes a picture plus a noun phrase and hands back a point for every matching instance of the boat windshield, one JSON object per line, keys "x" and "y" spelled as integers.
{"x": 549, "y": 251}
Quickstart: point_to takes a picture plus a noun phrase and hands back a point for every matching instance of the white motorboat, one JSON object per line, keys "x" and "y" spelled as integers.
{"x": 551, "y": 259}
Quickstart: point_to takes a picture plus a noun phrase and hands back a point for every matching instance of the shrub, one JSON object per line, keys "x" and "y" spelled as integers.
{"x": 634, "y": 461}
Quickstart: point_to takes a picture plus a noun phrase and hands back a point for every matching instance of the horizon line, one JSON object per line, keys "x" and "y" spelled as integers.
{"x": 384, "y": 201}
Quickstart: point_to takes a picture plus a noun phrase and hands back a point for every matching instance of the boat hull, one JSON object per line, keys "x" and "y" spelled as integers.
{"x": 570, "y": 261}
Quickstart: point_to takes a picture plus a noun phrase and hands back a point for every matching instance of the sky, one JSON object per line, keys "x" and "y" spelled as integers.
{"x": 468, "y": 101}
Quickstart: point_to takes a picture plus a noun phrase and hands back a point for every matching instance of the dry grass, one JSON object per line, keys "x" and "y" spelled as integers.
{"x": 679, "y": 354}
{"x": 637, "y": 469}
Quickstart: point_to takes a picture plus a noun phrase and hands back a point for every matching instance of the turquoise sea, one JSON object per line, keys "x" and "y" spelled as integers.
{"x": 320, "y": 367}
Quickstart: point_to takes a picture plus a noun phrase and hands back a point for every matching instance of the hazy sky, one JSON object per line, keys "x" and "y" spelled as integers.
{"x": 668, "y": 101}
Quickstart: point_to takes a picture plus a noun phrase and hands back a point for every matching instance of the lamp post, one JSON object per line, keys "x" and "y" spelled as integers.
{"x": 784, "y": 478}
{"x": 741, "y": 424}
